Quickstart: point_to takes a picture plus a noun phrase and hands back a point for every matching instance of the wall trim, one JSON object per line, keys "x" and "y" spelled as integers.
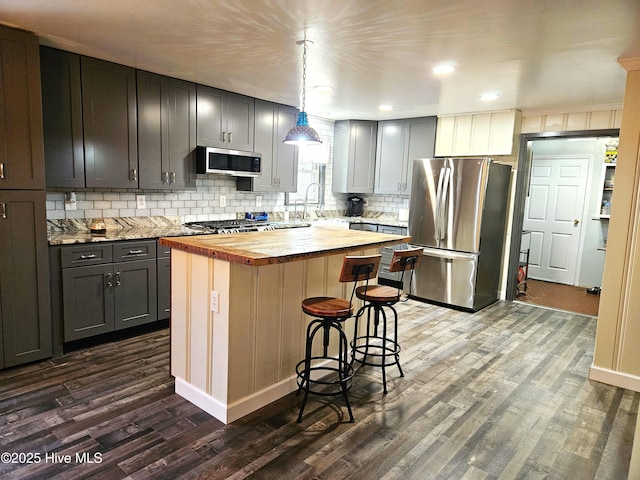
{"x": 612, "y": 377}
{"x": 532, "y": 112}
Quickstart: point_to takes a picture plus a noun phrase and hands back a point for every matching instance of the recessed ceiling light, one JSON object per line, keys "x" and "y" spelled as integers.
{"x": 487, "y": 97}
{"x": 385, "y": 108}
{"x": 444, "y": 69}
{"x": 323, "y": 88}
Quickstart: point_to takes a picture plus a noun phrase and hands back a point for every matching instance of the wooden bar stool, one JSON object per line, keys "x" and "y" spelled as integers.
{"x": 329, "y": 373}
{"x": 372, "y": 348}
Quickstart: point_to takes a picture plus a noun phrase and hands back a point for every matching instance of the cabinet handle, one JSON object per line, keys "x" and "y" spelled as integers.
{"x": 165, "y": 177}
{"x": 3, "y": 210}
{"x": 230, "y": 137}
{"x": 224, "y": 136}
{"x": 173, "y": 177}
{"x": 109, "y": 282}
{"x": 134, "y": 175}
{"x": 135, "y": 252}
{"x": 87, "y": 257}
{"x": 2, "y": 171}
{"x": 118, "y": 279}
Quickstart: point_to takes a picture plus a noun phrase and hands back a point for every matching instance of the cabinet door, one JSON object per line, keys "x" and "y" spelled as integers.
{"x": 153, "y": 137}
{"x": 182, "y": 134}
{"x": 390, "y": 156}
{"x": 266, "y": 125}
{"x": 286, "y": 156}
{"x": 240, "y": 111}
{"x": 110, "y": 131}
{"x": 21, "y": 148}
{"x": 420, "y": 141}
{"x": 135, "y": 293}
{"x": 362, "y": 154}
{"x": 87, "y": 294}
{"x": 62, "y": 118}
{"x": 24, "y": 277}
{"x": 164, "y": 287}
{"x": 210, "y": 117}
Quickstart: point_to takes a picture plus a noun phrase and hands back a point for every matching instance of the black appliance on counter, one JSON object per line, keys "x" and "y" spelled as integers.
{"x": 355, "y": 206}
{"x": 230, "y": 226}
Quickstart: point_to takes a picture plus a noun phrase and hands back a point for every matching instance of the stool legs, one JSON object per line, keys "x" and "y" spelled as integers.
{"x": 365, "y": 346}
{"x": 343, "y": 369}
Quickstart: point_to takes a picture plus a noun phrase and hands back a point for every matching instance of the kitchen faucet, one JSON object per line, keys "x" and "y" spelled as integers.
{"x": 306, "y": 198}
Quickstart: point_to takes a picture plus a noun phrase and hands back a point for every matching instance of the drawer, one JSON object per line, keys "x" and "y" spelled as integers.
{"x": 392, "y": 230}
{"x": 163, "y": 251}
{"x": 80, "y": 255}
{"x": 138, "y": 250}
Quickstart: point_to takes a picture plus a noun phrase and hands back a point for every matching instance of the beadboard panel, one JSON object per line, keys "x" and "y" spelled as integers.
{"x": 244, "y": 355}
{"x": 573, "y": 121}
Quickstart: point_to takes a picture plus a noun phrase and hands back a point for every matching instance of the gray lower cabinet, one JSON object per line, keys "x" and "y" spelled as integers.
{"x": 386, "y": 252}
{"x": 25, "y": 313}
{"x": 108, "y": 287}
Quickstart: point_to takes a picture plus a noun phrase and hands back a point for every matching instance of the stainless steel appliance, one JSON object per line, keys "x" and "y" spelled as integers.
{"x": 228, "y": 162}
{"x": 355, "y": 206}
{"x": 230, "y": 226}
{"x": 457, "y": 213}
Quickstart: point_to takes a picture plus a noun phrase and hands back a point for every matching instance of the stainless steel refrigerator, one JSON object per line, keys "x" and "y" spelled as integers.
{"x": 457, "y": 212}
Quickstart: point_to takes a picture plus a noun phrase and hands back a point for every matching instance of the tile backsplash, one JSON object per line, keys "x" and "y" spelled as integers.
{"x": 204, "y": 202}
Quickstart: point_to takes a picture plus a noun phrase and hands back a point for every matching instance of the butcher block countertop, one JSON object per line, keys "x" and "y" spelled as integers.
{"x": 281, "y": 246}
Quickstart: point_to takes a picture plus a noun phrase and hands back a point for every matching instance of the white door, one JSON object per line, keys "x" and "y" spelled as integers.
{"x": 554, "y": 213}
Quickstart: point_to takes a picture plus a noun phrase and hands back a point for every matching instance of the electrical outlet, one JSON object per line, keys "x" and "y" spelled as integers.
{"x": 405, "y": 203}
{"x": 141, "y": 202}
{"x": 223, "y": 201}
{"x": 258, "y": 201}
{"x": 215, "y": 297}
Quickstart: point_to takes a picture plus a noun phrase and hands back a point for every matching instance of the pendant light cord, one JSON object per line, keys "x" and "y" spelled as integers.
{"x": 304, "y": 73}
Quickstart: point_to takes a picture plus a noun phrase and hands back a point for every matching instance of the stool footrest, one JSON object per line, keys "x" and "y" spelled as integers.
{"x": 385, "y": 350}
{"x": 326, "y": 375}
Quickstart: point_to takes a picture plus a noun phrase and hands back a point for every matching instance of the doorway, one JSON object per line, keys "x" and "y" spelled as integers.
{"x": 591, "y": 230}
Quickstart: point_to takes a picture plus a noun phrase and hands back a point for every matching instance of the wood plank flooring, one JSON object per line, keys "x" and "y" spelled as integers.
{"x": 500, "y": 394}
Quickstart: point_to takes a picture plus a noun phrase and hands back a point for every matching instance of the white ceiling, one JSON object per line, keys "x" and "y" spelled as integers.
{"x": 542, "y": 54}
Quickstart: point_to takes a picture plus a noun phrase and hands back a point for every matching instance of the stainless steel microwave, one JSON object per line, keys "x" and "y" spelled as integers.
{"x": 228, "y": 162}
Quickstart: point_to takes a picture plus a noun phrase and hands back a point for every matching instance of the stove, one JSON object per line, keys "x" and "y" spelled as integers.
{"x": 230, "y": 226}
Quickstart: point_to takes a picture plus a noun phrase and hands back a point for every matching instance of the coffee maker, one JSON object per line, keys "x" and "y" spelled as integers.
{"x": 355, "y": 206}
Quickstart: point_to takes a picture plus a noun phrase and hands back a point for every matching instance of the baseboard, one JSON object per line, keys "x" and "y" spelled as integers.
{"x": 228, "y": 413}
{"x": 617, "y": 379}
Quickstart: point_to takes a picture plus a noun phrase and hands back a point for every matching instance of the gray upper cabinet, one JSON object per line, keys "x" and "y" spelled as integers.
{"x": 279, "y": 160}
{"x": 399, "y": 142}
{"x": 62, "y": 118}
{"x": 110, "y": 124}
{"x": 225, "y": 119}
{"x": 354, "y": 151}
{"x": 21, "y": 151}
{"x": 166, "y": 132}
{"x": 25, "y": 320}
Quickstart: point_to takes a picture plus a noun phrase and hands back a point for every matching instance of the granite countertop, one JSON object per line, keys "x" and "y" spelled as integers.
{"x": 281, "y": 246}
{"x": 66, "y": 232}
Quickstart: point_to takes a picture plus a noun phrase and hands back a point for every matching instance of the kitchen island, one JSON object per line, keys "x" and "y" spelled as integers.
{"x": 237, "y": 329}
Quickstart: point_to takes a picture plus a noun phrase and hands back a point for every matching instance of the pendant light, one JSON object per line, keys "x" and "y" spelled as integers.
{"x": 302, "y": 133}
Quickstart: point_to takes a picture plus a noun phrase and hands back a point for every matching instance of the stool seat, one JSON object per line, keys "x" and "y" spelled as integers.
{"x": 326, "y": 307}
{"x": 378, "y": 293}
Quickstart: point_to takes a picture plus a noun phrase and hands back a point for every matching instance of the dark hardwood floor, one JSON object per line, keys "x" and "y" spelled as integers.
{"x": 500, "y": 394}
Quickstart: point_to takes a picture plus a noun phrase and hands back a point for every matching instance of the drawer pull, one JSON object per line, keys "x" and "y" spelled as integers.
{"x": 2, "y": 170}
{"x": 3, "y": 210}
{"x": 118, "y": 283}
{"x": 109, "y": 282}
{"x": 87, "y": 257}
{"x": 135, "y": 252}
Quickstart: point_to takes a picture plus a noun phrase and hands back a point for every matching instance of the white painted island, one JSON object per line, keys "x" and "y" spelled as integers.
{"x": 237, "y": 330}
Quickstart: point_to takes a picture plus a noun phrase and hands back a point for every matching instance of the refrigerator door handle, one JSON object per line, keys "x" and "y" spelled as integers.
{"x": 442, "y": 208}
{"x": 438, "y": 209}
{"x": 436, "y": 252}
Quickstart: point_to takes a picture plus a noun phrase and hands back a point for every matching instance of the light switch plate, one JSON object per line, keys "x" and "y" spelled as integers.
{"x": 223, "y": 201}
{"x": 215, "y": 297}
{"x": 258, "y": 201}
{"x": 141, "y": 202}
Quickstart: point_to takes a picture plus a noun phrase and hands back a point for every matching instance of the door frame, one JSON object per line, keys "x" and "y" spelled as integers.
{"x": 523, "y": 174}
